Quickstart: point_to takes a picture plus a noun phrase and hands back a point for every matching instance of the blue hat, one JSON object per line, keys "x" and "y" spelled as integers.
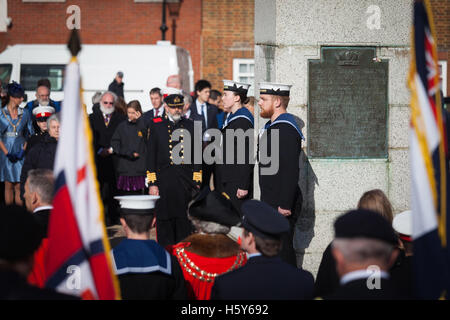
{"x": 262, "y": 220}
{"x": 15, "y": 90}
{"x": 365, "y": 224}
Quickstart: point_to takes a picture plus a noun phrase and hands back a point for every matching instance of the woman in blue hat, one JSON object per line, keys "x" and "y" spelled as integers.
{"x": 15, "y": 128}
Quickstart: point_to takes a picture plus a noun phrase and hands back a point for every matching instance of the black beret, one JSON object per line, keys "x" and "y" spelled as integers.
{"x": 263, "y": 220}
{"x": 20, "y": 233}
{"x": 174, "y": 100}
{"x": 365, "y": 224}
{"x": 214, "y": 207}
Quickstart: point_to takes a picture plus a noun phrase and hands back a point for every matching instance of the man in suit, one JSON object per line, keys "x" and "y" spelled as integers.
{"x": 38, "y": 196}
{"x": 157, "y": 103}
{"x": 265, "y": 276}
{"x": 279, "y": 187}
{"x": 20, "y": 236}
{"x": 104, "y": 122}
{"x": 364, "y": 249}
{"x": 201, "y": 110}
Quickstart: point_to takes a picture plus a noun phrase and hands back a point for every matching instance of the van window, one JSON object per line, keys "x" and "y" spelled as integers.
{"x": 31, "y": 73}
{"x": 5, "y": 73}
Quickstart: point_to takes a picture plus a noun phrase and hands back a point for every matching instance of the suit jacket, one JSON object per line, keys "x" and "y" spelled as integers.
{"x": 42, "y": 217}
{"x": 264, "y": 278}
{"x": 358, "y": 290}
{"x": 211, "y": 115}
{"x": 150, "y": 114}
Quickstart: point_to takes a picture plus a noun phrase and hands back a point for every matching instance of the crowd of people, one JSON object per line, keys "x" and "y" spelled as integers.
{"x": 213, "y": 240}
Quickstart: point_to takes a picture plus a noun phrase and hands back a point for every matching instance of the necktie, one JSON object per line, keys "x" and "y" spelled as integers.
{"x": 204, "y": 116}
{"x": 107, "y": 118}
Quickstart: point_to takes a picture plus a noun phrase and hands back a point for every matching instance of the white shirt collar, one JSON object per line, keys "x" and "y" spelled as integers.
{"x": 252, "y": 255}
{"x": 158, "y": 112}
{"x": 199, "y": 106}
{"x": 42, "y": 208}
{"x": 360, "y": 274}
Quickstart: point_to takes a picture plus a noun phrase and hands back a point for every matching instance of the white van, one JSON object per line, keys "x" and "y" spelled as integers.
{"x": 144, "y": 67}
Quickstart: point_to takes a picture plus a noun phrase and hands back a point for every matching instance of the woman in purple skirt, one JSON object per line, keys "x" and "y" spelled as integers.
{"x": 129, "y": 144}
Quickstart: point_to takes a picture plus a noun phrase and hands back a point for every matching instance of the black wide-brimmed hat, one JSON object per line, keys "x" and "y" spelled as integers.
{"x": 214, "y": 207}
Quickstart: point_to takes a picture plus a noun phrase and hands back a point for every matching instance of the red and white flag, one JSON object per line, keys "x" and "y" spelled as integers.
{"x": 78, "y": 261}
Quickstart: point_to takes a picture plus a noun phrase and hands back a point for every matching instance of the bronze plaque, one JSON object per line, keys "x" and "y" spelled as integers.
{"x": 348, "y": 104}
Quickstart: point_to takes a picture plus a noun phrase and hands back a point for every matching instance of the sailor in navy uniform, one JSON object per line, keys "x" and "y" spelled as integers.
{"x": 145, "y": 269}
{"x": 279, "y": 188}
{"x": 174, "y": 177}
{"x": 265, "y": 276}
{"x": 235, "y": 178}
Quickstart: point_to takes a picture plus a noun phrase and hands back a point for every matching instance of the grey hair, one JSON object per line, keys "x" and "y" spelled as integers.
{"x": 111, "y": 93}
{"x": 208, "y": 226}
{"x": 188, "y": 98}
{"x": 42, "y": 182}
{"x": 53, "y": 117}
{"x": 363, "y": 249}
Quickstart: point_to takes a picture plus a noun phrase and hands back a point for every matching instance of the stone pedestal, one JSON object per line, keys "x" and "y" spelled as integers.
{"x": 288, "y": 33}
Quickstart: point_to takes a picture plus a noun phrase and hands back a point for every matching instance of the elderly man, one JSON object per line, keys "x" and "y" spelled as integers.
{"x": 364, "y": 248}
{"x": 104, "y": 122}
{"x": 117, "y": 85}
{"x": 38, "y": 200}
{"x": 43, "y": 97}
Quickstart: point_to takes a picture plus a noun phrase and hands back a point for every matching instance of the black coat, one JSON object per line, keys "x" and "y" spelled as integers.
{"x": 15, "y": 287}
{"x": 117, "y": 88}
{"x": 35, "y": 139}
{"x": 264, "y": 278}
{"x": 40, "y": 156}
{"x": 176, "y": 182}
{"x": 281, "y": 189}
{"x": 211, "y": 115}
{"x": 130, "y": 138}
{"x": 42, "y": 217}
{"x": 150, "y": 114}
{"x": 232, "y": 176}
{"x": 102, "y": 136}
{"x": 358, "y": 290}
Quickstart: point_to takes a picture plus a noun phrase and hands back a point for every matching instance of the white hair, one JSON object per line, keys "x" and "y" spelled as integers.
{"x": 208, "y": 226}
{"x": 363, "y": 249}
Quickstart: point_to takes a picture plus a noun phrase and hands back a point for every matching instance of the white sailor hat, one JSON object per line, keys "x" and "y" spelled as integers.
{"x": 169, "y": 90}
{"x": 239, "y": 87}
{"x": 43, "y": 111}
{"x": 137, "y": 204}
{"x": 276, "y": 89}
{"x": 402, "y": 224}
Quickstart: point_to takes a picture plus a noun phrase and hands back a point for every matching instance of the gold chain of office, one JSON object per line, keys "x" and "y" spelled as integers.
{"x": 200, "y": 274}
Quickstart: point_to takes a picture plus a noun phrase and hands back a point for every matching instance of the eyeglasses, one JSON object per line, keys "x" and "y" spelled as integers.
{"x": 108, "y": 102}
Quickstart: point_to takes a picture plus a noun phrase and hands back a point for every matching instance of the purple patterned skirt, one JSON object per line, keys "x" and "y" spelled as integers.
{"x": 131, "y": 183}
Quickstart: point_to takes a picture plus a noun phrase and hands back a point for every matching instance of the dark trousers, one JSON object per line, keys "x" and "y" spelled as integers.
{"x": 230, "y": 188}
{"x": 108, "y": 190}
{"x": 172, "y": 231}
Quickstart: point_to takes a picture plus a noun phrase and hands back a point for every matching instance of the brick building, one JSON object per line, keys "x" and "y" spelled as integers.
{"x": 215, "y": 32}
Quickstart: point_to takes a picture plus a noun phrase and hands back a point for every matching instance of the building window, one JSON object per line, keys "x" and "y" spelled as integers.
{"x": 244, "y": 71}
{"x": 443, "y": 75}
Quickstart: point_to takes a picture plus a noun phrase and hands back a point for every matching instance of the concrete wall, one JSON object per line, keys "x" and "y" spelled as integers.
{"x": 290, "y": 32}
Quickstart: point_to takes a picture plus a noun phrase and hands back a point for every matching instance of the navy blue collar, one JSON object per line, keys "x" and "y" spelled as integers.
{"x": 140, "y": 256}
{"x": 241, "y": 113}
{"x": 285, "y": 118}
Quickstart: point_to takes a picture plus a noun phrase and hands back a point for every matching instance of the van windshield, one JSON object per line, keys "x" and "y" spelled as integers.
{"x": 5, "y": 74}
{"x": 31, "y": 73}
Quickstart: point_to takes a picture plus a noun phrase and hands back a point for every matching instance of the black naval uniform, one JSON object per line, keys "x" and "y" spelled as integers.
{"x": 234, "y": 176}
{"x": 281, "y": 189}
{"x": 177, "y": 183}
{"x": 147, "y": 271}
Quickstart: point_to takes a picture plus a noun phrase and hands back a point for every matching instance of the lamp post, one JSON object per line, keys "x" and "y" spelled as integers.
{"x": 163, "y": 27}
{"x": 174, "y": 12}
